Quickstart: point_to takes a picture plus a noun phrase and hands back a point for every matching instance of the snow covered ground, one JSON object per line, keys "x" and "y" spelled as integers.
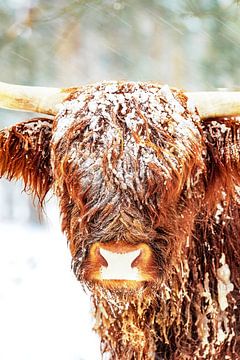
{"x": 44, "y": 313}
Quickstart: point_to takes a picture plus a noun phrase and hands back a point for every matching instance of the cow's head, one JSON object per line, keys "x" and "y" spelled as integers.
{"x": 133, "y": 164}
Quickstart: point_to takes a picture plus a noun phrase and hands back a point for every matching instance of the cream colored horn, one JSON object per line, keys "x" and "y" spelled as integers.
{"x": 211, "y": 104}
{"x": 32, "y": 98}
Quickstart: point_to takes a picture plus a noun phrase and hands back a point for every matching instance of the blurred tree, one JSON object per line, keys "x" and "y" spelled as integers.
{"x": 185, "y": 43}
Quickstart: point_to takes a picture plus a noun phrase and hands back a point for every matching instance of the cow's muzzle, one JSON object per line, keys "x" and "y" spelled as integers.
{"x": 118, "y": 261}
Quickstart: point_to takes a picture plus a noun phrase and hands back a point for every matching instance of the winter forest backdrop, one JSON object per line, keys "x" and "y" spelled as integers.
{"x": 190, "y": 44}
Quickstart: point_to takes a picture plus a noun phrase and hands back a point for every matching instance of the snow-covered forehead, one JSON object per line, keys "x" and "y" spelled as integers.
{"x": 127, "y": 130}
{"x": 155, "y": 103}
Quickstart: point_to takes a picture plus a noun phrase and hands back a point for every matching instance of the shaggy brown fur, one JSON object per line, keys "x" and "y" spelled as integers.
{"x": 25, "y": 153}
{"x": 133, "y": 162}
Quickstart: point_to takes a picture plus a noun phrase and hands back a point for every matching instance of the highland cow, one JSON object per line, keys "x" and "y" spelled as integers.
{"x": 150, "y": 202}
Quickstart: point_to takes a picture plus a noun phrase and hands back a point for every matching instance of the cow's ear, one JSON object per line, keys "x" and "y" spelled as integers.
{"x": 25, "y": 154}
{"x": 222, "y": 138}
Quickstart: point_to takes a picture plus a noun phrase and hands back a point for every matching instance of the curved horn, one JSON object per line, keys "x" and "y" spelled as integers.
{"x": 211, "y": 104}
{"x": 32, "y": 98}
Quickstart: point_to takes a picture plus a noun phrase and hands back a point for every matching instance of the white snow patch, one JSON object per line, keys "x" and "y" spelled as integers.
{"x": 224, "y": 284}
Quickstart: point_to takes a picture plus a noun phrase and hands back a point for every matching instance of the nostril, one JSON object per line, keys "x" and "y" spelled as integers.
{"x": 101, "y": 258}
{"x": 136, "y": 260}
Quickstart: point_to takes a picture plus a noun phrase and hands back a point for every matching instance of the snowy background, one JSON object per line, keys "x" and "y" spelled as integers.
{"x": 44, "y": 314}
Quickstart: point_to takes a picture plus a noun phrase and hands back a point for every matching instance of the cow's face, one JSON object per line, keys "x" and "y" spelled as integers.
{"x": 128, "y": 167}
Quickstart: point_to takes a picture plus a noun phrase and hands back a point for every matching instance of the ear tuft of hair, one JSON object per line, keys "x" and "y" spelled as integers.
{"x": 25, "y": 154}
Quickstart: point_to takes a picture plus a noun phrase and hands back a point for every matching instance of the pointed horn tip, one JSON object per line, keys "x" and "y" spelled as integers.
{"x": 35, "y": 99}
{"x": 213, "y": 104}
